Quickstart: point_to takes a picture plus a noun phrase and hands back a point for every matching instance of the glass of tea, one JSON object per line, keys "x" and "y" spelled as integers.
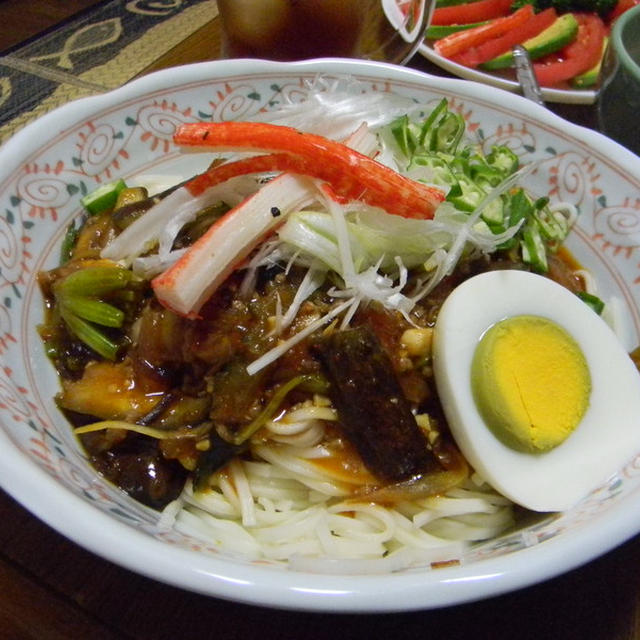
{"x": 619, "y": 98}
{"x": 383, "y": 30}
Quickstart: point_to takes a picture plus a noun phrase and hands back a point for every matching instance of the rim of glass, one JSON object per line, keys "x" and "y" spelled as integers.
{"x": 626, "y": 28}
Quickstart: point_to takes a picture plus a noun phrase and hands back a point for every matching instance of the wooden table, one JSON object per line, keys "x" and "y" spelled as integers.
{"x": 52, "y": 589}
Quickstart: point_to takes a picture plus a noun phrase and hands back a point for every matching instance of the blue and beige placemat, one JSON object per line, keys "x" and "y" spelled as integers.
{"x": 98, "y": 51}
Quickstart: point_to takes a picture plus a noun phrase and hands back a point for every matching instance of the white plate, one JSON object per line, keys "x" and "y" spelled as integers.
{"x": 45, "y": 168}
{"x": 505, "y": 80}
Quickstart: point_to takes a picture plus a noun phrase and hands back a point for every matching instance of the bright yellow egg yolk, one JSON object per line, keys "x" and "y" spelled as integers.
{"x": 531, "y": 382}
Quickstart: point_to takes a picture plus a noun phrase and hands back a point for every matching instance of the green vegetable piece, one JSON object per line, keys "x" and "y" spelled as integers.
{"x": 437, "y": 31}
{"x": 541, "y": 202}
{"x": 151, "y": 432}
{"x": 68, "y": 243}
{"x": 77, "y": 297}
{"x": 467, "y": 198}
{"x": 485, "y": 176}
{"x": 520, "y": 207}
{"x": 552, "y": 229}
{"x": 403, "y": 135}
{"x": 553, "y": 38}
{"x": 185, "y": 410}
{"x": 124, "y": 295}
{"x": 123, "y": 216}
{"x": 440, "y": 132}
{"x": 95, "y": 311}
{"x": 447, "y": 133}
{"x": 315, "y": 384}
{"x": 534, "y": 250}
{"x": 471, "y": 196}
{"x": 269, "y": 411}
{"x": 126, "y": 214}
{"x": 88, "y": 334}
{"x": 129, "y": 196}
{"x": 593, "y": 301}
{"x": 441, "y": 173}
{"x": 503, "y": 159}
{"x": 195, "y": 229}
{"x": 94, "y": 281}
{"x": 433, "y": 117}
{"x": 103, "y": 198}
{"x": 493, "y": 215}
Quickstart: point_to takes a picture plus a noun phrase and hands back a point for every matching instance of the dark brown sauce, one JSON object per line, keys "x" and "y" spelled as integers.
{"x": 197, "y": 358}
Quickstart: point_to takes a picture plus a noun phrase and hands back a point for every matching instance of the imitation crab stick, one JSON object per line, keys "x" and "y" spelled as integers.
{"x": 351, "y": 174}
{"x": 187, "y": 285}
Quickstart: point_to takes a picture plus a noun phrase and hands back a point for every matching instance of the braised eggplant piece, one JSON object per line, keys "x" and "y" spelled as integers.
{"x": 130, "y": 211}
{"x": 219, "y": 453}
{"x": 375, "y": 415}
{"x": 138, "y": 467}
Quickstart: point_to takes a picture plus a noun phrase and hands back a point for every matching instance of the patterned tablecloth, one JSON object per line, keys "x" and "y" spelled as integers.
{"x": 98, "y": 51}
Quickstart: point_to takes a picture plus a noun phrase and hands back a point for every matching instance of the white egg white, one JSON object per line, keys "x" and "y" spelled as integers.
{"x": 607, "y": 437}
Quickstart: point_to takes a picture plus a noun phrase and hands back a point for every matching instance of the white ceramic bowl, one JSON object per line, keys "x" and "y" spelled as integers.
{"x": 45, "y": 168}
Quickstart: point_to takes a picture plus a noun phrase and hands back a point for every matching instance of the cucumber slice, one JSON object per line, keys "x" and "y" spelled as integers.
{"x": 103, "y": 198}
{"x": 437, "y": 31}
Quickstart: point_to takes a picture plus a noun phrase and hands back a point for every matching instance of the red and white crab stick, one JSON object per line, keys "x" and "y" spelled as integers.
{"x": 189, "y": 283}
{"x": 186, "y": 285}
{"x": 351, "y": 174}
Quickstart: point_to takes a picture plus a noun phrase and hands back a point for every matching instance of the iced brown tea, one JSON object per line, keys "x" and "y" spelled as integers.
{"x": 298, "y": 29}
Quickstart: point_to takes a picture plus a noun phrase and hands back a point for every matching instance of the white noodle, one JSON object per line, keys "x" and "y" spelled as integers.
{"x": 287, "y": 502}
{"x": 281, "y": 505}
{"x": 243, "y": 491}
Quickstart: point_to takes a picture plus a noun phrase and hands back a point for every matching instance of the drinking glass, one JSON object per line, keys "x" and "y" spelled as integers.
{"x": 383, "y": 30}
{"x": 619, "y": 98}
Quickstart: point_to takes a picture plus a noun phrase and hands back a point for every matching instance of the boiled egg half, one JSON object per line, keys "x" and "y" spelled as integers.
{"x": 539, "y": 393}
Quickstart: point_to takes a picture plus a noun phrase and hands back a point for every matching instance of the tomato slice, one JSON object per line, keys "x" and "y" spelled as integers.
{"x": 478, "y": 11}
{"x": 460, "y": 41}
{"x": 486, "y": 51}
{"x": 582, "y": 54}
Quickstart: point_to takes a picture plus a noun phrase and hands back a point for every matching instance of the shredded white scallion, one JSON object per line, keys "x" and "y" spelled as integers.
{"x": 273, "y": 354}
{"x": 159, "y": 226}
{"x": 334, "y": 108}
{"x": 313, "y": 279}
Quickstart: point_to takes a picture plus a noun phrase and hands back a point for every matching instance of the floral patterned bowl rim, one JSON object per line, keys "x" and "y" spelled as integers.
{"x": 47, "y": 166}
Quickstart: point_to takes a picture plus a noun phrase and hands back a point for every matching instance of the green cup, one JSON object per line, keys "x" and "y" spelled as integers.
{"x": 619, "y": 99}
